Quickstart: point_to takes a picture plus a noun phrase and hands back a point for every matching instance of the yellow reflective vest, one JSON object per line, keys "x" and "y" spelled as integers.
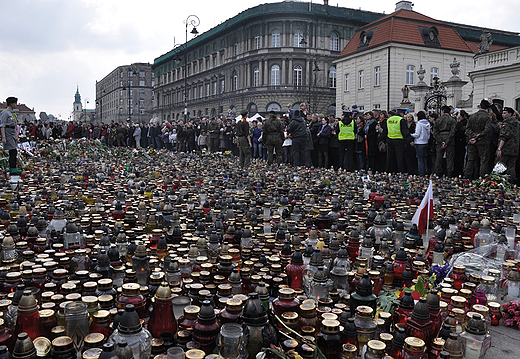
{"x": 346, "y": 132}
{"x": 394, "y": 128}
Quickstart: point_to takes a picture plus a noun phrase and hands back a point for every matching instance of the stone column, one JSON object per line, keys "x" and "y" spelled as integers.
{"x": 454, "y": 85}
{"x": 419, "y": 91}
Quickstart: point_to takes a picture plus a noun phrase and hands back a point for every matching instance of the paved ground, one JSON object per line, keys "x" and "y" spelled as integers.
{"x": 505, "y": 343}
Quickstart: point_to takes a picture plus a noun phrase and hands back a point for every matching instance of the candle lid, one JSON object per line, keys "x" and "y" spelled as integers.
{"x": 414, "y": 345}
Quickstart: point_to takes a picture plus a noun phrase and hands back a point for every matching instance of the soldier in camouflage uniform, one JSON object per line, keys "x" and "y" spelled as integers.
{"x": 507, "y": 151}
{"x": 478, "y": 131}
{"x": 444, "y": 133}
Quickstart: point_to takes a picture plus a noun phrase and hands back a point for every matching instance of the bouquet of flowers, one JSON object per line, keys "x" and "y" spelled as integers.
{"x": 511, "y": 314}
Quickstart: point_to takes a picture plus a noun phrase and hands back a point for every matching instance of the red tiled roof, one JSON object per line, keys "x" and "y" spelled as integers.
{"x": 474, "y": 46}
{"x": 403, "y": 27}
{"x": 21, "y": 107}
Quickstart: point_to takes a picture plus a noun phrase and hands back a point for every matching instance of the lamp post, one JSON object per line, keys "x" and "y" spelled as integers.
{"x": 87, "y": 101}
{"x": 194, "y": 21}
{"x": 217, "y": 86}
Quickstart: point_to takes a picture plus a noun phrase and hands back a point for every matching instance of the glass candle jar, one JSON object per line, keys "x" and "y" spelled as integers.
{"x": 76, "y": 322}
{"x": 495, "y": 314}
{"x": 414, "y": 348}
{"x": 286, "y": 301}
{"x": 329, "y": 340}
{"x": 131, "y": 294}
{"x": 101, "y": 323}
{"x": 375, "y": 349}
{"x": 230, "y": 341}
{"x": 365, "y": 325}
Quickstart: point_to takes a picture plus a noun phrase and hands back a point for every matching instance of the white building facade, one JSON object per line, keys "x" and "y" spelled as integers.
{"x": 497, "y": 76}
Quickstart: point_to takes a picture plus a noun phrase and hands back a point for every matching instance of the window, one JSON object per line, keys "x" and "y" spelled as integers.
{"x": 201, "y": 91}
{"x": 141, "y": 111}
{"x": 235, "y": 81}
{"x": 121, "y": 74}
{"x": 215, "y": 60}
{"x": 141, "y": 93}
{"x": 141, "y": 103}
{"x": 434, "y": 72}
{"x": 120, "y": 101}
{"x": 120, "y": 111}
{"x": 410, "y": 69}
{"x": 298, "y": 72}
{"x": 298, "y": 38}
{"x": 131, "y": 83}
{"x": 256, "y": 42}
{"x": 222, "y": 58}
{"x": 377, "y": 106}
{"x": 141, "y": 82}
{"x": 347, "y": 82}
{"x": 195, "y": 93}
{"x": 275, "y": 75}
{"x": 332, "y": 77}
{"x": 361, "y": 79}
{"x": 131, "y": 92}
{"x": 130, "y": 74}
{"x": 222, "y": 86}
{"x": 275, "y": 38}
{"x": 377, "y": 76}
{"x": 256, "y": 77}
{"x": 130, "y": 101}
{"x": 195, "y": 67}
{"x": 141, "y": 73}
{"x": 207, "y": 63}
{"x": 121, "y": 83}
{"x": 207, "y": 89}
{"x": 334, "y": 42}
{"x": 214, "y": 88}
{"x": 235, "y": 49}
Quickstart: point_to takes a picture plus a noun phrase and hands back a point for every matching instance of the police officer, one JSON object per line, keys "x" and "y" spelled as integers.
{"x": 396, "y": 131}
{"x": 346, "y": 129}
{"x": 507, "y": 151}
{"x": 444, "y": 132}
{"x": 478, "y": 131}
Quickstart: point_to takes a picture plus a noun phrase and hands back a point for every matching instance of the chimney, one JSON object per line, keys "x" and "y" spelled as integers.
{"x": 404, "y": 5}
{"x": 326, "y": 2}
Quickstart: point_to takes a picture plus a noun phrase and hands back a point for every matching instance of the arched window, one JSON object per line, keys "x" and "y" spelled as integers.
{"x": 275, "y": 75}
{"x": 410, "y": 70}
{"x": 256, "y": 77}
{"x": 298, "y": 71}
{"x": 275, "y": 38}
{"x": 298, "y": 38}
{"x": 332, "y": 77}
{"x": 334, "y": 42}
{"x": 235, "y": 81}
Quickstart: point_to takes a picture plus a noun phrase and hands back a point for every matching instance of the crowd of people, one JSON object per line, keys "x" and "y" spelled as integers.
{"x": 451, "y": 143}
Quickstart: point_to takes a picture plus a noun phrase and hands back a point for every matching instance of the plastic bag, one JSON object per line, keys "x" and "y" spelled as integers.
{"x": 499, "y": 168}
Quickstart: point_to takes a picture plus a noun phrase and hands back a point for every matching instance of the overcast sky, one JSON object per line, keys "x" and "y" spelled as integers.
{"x": 47, "y": 47}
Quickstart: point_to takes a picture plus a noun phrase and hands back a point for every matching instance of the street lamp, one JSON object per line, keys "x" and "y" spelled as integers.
{"x": 87, "y": 101}
{"x": 194, "y": 21}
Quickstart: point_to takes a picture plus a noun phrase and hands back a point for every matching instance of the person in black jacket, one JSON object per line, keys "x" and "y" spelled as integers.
{"x": 298, "y": 132}
{"x": 314, "y": 128}
{"x": 322, "y": 143}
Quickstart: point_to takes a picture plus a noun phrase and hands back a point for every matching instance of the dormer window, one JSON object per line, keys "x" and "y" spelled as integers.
{"x": 365, "y": 37}
{"x": 430, "y": 36}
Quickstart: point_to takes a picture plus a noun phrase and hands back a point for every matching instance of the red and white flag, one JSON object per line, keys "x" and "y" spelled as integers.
{"x": 425, "y": 211}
